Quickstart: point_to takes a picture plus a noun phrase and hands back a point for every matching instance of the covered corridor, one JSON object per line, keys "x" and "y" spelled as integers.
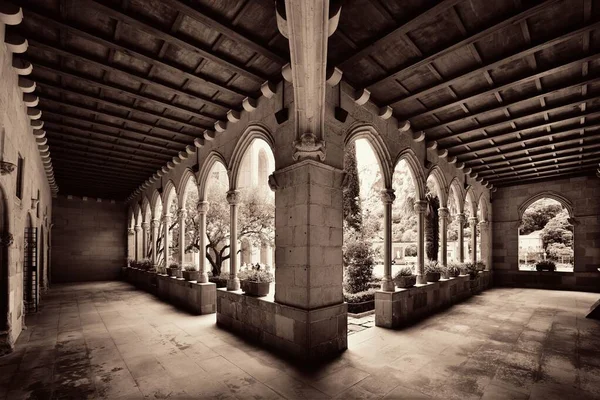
{"x": 110, "y": 341}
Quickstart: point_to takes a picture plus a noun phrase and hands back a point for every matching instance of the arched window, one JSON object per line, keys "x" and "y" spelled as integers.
{"x": 546, "y": 234}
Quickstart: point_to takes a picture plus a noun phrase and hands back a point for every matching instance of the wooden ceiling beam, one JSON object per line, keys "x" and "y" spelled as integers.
{"x": 138, "y": 22}
{"x": 505, "y": 106}
{"x": 485, "y": 68}
{"x": 95, "y": 149}
{"x": 126, "y": 147}
{"x": 153, "y": 128}
{"x": 517, "y": 172}
{"x": 103, "y": 85}
{"x": 60, "y": 155}
{"x": 492, "y": 125}
{"x": 227, "y": 30}
{"x": 521, "y": 81}
{"x": 565, "y": 141}
{"x": 92, "y": 181}
{"x": 95, "y": 167}
{"x": 107, "y": 124}
{"x": 101, "y": 39}
{"x": 98, "y": 100}
{"x": 515, "y": 135}
{"x": 478, "y": 166}
{"x": 531, "y": 163}
{"x": 462, "y": 43}
{"x": 104, "y": 66}
{"x": 76, "y": 130}
{"x": 558, "y": 172}
{"x": 540, "y": 179}
{"x": 98, "y": 176}
{"x": 399, "y": 30}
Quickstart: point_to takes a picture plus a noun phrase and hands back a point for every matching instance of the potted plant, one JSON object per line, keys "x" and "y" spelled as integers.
{"x": 405, "y": 278}
{"x": 190, "y": 273}
{"x": 433, "y": 271}
{"x": 174, "y": 269}
{"x": 545, "y": 265}
{"x": 256, "y": 282}
{"x": 471, "y": 270}
{"x": 219, "y": 280}
{"x": 453, "y": 270}
{"x": 480, "y": 266}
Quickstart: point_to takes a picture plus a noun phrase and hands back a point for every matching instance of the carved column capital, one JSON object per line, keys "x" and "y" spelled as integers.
{"x": 461, "y": 218}
{"x": 484, "y": 224}
{"x": 203, "y": 207}
{"x": 155, "y": 223}
{"x": 387, "y": 196}
{"x": 309, "y": 147}
{"x": 145, "y": 225}
{"x": 443, "y": 212}
{"x": 166, "y": 218}
{"x": 420, "y": 206}
{"x": 473, "y": 221}
{"x": 233, "y": 197}
{"x": 138, "y": 228}
{"x": 130, "y": 232}
{"x": 273, "y": 183}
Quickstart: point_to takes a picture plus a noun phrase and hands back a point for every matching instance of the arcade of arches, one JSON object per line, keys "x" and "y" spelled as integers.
{"x": 329, "y": 151}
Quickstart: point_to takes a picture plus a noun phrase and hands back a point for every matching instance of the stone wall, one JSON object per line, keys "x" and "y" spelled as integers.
{"x": 16, "y": 138}
{"x": 582, "y": 194}
{"x": 88, "y": 239}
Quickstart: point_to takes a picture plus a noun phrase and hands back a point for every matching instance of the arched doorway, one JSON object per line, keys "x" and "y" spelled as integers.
{"x": 30, "y": 267}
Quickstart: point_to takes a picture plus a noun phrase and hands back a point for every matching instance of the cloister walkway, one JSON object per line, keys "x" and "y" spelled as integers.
{"x": 109, "y": 341}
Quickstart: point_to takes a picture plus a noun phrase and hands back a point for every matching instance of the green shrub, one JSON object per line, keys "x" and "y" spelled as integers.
{"x": 359, "y": 297}
{"x": 432, "y": 266}
{"x": 189, "y": 267}
{"x": 174, "y": 265}
{"x": 404, "y": 271}
{"x": 545, "y": 265}
{"x": 454, "y": 268}
{"x": 359, "y": 260}
{"x": 480, "y": 266}
{"x": 255, "y": 275}
{"x": 220, "y": 280}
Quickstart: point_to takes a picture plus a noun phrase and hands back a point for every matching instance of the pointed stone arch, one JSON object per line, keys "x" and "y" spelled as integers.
{"x": 547, "y": 194}
{"x": 146, "y": 210}
{"x": 155, "y": 201}
{"x": 440, "y": 184}
{"x": 213, "y": 157}
{"x": 455, "y": 191}
{"x": 368, "y": 132}
{"x": 415, "y": 169}
{"x": 252, "y": 132}
{"x": 484, "y": 207}
{"x": 168, "y": 196}
{"x": 470, "y": 196}
{"x": 183, "y": 183}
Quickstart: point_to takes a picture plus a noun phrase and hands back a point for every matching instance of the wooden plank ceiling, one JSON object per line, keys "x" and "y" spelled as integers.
{"x": 125, "y": 85}
{"x": 509, "y": 89}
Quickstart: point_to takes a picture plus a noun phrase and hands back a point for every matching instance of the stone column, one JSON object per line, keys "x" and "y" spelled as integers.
{"x": 130, "y": 244}
{"x": 138, "y": 242}
{"x": 387, "y": 197}
{"x": 233, "y": 198}
{"x": 167, "y": 238}
{"x": 443, "y": 213}
{"x": 421, "y": 209}
{"x": 461, "y": 237}
{"x": 182, "y": 216}
{"x": 486, "y": 250}
{"x": 202, "y": 210}
{"x": 473, "y": 225}
{"x": 154, "y": 237}
{"x": 145, "y": 233}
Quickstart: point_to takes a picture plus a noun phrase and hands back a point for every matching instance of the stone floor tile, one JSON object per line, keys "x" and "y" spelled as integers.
{"x": 340, "y": 380}
{"x": 161, "y": 386}
{"x": 402, "y": 392}
{"x": 495, "y": 392}
{"x": 294, "y": 389}
{"x": 144, "y": 365}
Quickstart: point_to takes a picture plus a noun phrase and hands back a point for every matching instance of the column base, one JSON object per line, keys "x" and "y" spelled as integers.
{"x": 203, "y": 278}
{"x": 387, "y": 285}
{"x": 421, "y": 279}
{"x": 304, "y": 334}
{"x": 233, "y": 284}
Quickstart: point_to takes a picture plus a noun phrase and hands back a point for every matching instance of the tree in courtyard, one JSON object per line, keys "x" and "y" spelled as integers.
{"x": 538, "y": 214}
{"x": 351, "y": 194}
{"x": 432, "y": 221}
{"x": 557, "y": 230}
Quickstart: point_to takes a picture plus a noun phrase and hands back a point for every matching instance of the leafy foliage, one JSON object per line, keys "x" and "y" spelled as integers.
{"x": 545, "y": 265}
{"x": 351, "y": 195}
{"x": 360, "y": 297}
{"x": 359, "y": 261}
{"x": 558, "y": 230}
{"x": 539, "y": 214}
{"x": 404, "y": 271}
{"x": 256, "y": 275}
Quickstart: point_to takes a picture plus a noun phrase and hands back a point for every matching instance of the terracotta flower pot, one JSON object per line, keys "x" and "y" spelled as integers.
{"x": 257, "y": 289}
{"x": 191, "y": 275}
{"x": 405, "y": 281}
{"x": 432, "y": 276}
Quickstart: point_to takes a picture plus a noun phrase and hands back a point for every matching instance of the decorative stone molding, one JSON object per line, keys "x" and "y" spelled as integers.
{"x": 233, "y": 197}
{"x": 473, "y": 221}
{"x": 30, "y": 100}
{"x": 388, "y": 196}
{"x": 442, "y": 153}
{"x": 130, "y": 232}
{"x": 199, "y": 142}
{"x": 249, "y": 104}
{"x": 220, "y": 126}
{"x": 361, "y": 96}
{"x": 6, "y": 167}
{"x": 432, "y": 145}
{"x": 286, "y": 72}
{"x": 154, "y": 223}
{"x": 386, "y": 112}
{"x": 203, "y": 207}
{"x": 461, "y": 218}
{"x": 420, "y": 206}
{"x": 190, "y": 149}
{"x": 573, "y": 221}
{"x": 404, "y": 126}
{"x": 10, "y": 14}
{"x": 15, "y": 43}
{"x": 26, "y": 85}
{"x": 170, "y": 165}
{"x": 418, "y": 136}
{"x": 21, "y": 66}
{"x": 37, "y": 124}
{"x": 209, "y": 135}
{"x": 233, "y": 116}
{"x": 334, "y": 76}
{"x": 268, "y": 89}
{"x": 273, "y": 183}
{"x": 443, "y": 212}
{"x": 183, "y": 155}
{"x": 308, "y": 147}
{"x": 6, "y": 239}
{"x": 176, "y": 160}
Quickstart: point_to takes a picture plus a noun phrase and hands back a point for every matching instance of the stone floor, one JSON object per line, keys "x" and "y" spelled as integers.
{"x": 360, "y": 324}
{"x": 109, "y": 341}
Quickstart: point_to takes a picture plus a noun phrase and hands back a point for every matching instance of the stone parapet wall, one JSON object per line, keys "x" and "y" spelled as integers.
{"x": 405, "y": 306}
{"x": 305, "y": 334}
{"x": 583, "y": 281}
